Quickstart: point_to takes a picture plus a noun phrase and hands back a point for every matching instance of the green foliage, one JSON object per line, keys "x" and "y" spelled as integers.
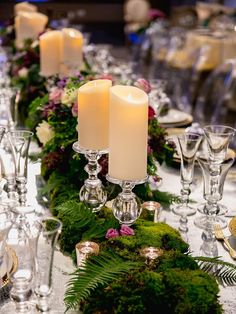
{"x": 35, "y": 110}
{"x": 224, "y": 272}
{"x": 98, "y": 272}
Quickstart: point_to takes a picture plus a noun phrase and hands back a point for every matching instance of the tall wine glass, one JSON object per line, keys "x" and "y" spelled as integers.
{"x": 21, "y": 141}
{"x": 51, "y": 229}
{"x": 218, "y": 138}
{"x": 212, "y": 193}
{"x": 188, "y": 145}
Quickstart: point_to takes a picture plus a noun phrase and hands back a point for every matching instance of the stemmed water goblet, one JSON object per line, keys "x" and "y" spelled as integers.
{"x": 213, "y": 192}
{"x": 218, "y": 138}
{"x": 188, "y": 145}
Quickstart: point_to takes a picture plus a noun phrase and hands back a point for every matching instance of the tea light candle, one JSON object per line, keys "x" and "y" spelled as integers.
{"x": 24, "y": 6}
{"x": 72, "y": 47}
{"x": 151, "y": 253}
{"x": 50, "y": 53}
{"x": 128, "y": 130}
{"x": 28, "y": 25}
{"x": 84, "y": 249}
{"x": 93, "y": 114}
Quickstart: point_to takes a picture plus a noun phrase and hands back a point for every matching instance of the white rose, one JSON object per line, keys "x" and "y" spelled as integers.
{"x": 44, "y": 132}
{"x": 23, "y": 72}
{"x": 69, "y": 96}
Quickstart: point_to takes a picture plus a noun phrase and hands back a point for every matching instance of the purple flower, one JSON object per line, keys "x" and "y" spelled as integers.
{"x": 112, "y": 233}
{"x": 126, "y": 231}
{"x": 62, "y": 83}
{"x": 143, "y": 84}
{"x": 48, "y": 109}
{"x": 55, "y": 95}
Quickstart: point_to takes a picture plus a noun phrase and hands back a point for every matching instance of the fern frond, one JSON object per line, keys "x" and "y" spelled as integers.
{"x": 98, "y": 271}
{"x": 224, "y": 272}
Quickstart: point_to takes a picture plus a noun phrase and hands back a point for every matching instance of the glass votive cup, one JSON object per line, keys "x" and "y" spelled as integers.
{"x": 84, "y": 250}
{"x": 151, "y": 253}
{"x": 154, "y": 208}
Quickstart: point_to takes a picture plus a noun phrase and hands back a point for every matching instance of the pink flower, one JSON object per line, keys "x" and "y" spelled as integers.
{"x": 112, "y": 233}
{"x": 126, "y": 231}
{"x": 55, "y": 95}
{"x": 74, "y": 110}
{"x": 151, "y": 113}
{"x": 143, "y": 84}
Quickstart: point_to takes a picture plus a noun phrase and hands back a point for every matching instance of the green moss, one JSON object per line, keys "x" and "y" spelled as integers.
{"x": 174, "y": 291}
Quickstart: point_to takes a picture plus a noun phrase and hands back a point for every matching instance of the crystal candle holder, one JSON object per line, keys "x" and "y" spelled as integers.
{"x": 92, "y": 192}
{"x": 126, "y": 206}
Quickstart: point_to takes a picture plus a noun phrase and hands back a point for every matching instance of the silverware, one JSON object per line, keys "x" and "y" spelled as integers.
{"x": 221, "y": 237}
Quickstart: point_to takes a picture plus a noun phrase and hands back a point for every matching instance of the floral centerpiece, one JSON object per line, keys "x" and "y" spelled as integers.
{"x": 54, "y": 119}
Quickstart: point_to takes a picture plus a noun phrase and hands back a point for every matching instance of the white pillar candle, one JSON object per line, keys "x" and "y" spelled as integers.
{"x": 128, "y": 133}
{"x": 93, "y": 114}
{"x": 72, "y": 48}
{"x": 24, "y": 6}
{"x": 28, "y": 25}
{"x": 50, "y": 53}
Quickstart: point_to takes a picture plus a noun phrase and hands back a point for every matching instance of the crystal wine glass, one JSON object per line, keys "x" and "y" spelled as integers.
{"x": 21, "y": 141}
{"x": 218, "y": 138}
{"x": 188, "y": 145}
{"x": 213, "y": 192}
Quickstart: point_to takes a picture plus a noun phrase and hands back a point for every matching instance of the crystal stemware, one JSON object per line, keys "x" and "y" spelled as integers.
{"x": 51, "y": 229}
{"x": 212, "y": 193}
{"x": 21, "y": 141}
{"x": 188, "y": 147}
{"x": 218, "y": 138}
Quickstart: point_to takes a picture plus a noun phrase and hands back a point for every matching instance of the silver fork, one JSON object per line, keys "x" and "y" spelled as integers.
{"x": 221, "y": 237}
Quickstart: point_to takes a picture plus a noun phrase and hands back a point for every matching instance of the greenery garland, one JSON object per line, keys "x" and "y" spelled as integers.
{"x": 119, "y": 280}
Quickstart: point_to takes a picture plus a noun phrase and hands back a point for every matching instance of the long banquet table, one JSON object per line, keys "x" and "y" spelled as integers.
{"x": 171, "y": 183}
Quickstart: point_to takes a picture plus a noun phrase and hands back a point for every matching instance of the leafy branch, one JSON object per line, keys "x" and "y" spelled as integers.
{"x": 224, "y": 272}
{"x": 98, "y": 271}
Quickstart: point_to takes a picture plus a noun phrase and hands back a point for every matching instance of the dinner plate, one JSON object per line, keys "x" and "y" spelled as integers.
{"x": 232, "y": 242}
{"x": 174, "y": 116}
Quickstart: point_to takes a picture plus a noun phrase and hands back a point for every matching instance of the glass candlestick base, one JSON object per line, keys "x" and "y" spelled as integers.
{"x": 92, "y": 193}
{"x": 126, "y": 206}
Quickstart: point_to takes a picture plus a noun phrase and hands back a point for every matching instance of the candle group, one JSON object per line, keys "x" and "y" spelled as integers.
{"x": 115, "y": 118}
{"x": 60, "y": 51}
